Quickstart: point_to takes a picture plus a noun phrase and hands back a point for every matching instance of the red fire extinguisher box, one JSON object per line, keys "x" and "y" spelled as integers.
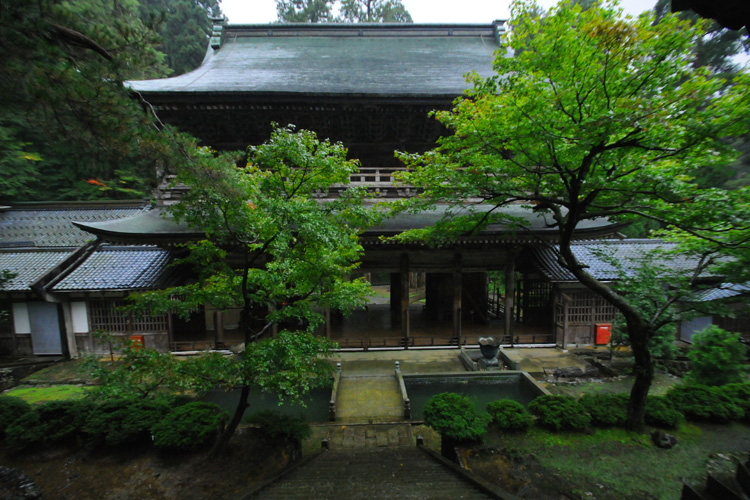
{"x": 137, "y": 341}
{"x": 603, "y": 333}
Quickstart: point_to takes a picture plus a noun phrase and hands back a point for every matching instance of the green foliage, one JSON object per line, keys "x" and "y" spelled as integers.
{"x": 350, "y": 11}
{"x": 276, "y": 425}
{"x": 595, "y": 116}
{"x": 560, "y": 413}
{"x": 704, "y": 403}
{"x": 304, "y": 11}
{"x": 717, "y": 357}
{"x": 118, "y": 421}
{"x": 455, "y": 416}
{"x": 53, "y": 422}
{"x": 189, "y": 427}
{"x": 509, "y": 416}
{"x": 374, "y": 11}
{"x": 660, "y": 412}
{"x": 739, "y": 394}
{"x": 606, "y": 410}
{"x": 184, "y": 26}
{"x": 11, "y": 408}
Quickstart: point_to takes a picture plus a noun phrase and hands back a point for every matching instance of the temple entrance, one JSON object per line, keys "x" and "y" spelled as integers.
{"x": 441, "y": 309}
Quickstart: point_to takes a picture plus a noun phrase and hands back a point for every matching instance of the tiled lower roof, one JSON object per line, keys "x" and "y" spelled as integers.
{"x": 596, "y": 255}
{"x": 119, "y": 268}
{"x": 723, "y": 291}
{"x": 41, "y": 226}
{"x": 28, "y": 265}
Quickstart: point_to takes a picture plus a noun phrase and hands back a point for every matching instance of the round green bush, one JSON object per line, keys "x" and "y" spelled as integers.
{"x": 739, "y": 394}
{"x": 510, "y": 416}
{"x": 11, "y": 408}
{"x": 189, "y": 427}
{"x": 660, "y": 412}
{"x": 276, "y": 425}
{"x": 118, "y": 421}
{"x": 703, "y": 403}
{"x": 560, "y": 413}
{"x": 606, "y": 410}
{"x": 455, "y": 416}
{"x": 53, "y": 422}
{"x": 717, "y": 357}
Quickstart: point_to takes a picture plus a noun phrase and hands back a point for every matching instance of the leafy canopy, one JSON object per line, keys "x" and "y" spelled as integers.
{"x": 595, "y": 116}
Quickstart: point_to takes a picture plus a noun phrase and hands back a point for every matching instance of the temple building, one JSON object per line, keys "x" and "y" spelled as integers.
{"x": 371, "y": 87}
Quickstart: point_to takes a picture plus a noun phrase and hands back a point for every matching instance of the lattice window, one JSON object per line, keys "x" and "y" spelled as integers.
{"x": 6, "y": 318}
{"x": 537, "y": 294}
{"x": 587, "y": 308}
{"x": 106, "y": 315}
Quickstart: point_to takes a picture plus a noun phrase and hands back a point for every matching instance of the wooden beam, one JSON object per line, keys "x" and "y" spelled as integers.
{"x": 404, "y": 285}
{"x": 510, "y": 285}
{"x": 457, "y": 293}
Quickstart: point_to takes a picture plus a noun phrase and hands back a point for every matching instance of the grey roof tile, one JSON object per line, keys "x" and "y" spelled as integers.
{"x": 53, "y": 226}
{"x": 120, "y": 268}
{"x": 28, "y": 265}
{"x": 596, "y": 255}
{"x": 375, "y": 59}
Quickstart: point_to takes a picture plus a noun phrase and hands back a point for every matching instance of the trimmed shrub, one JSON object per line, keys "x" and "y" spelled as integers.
{"x": 53, "y": 422}
{"x": 189, "y": 427}
{"x": 739, "y": 394}
{"x": 660, "y": 412}
{"x": 455, "y": 416}
{"x": 560, "y": 413}
{"x": 606, "y": 410}
{"x": 509, "y": 416}
{"x": 717, "y": 357}
{"x": 125, "y": 420}
{"x": 276, "y": 425}
{"x": 11, "y": 409}
{"x": 703, "y": 403}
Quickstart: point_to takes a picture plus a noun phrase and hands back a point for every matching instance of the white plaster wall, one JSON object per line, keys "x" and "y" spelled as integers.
{"x": 21, "y": 317}
{"x": 79, "y": 316}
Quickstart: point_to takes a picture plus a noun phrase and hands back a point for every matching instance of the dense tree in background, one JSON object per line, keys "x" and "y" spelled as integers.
{"x": 305, "y": 11}
{"x": 349, "y": 11}
{"x": 374, "y": 11}
{"x": 595, "y": 116}
{"x": 65, "y": 117}
{"x": 69, "y": 129}
{"x": 184, "y": 26}
{"x": 717, "y": 50}
{"x": 274, "y": 251}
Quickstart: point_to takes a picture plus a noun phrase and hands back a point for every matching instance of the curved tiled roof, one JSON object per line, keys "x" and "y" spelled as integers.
{"x": 52, "y": 226}
{"x": 119, "y": 268}
{"x": 598, "y": 256}
{"x": 28, "y": 265}
{"x": 362, "y": 59}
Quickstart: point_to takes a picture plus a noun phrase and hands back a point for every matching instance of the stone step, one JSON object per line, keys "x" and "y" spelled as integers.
{"x": 372, "y": 473}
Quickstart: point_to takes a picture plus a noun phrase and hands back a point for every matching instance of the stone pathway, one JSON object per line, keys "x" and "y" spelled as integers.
{"x": 368, "y": 399}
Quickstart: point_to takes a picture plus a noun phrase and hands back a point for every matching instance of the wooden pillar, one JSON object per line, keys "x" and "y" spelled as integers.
{"x": 327, "y": 313}
{"x": 404, "y": 285}
{"x": 457, "y": 294}
{"x": 510, "y": 282}
{"x": 219, "y": 326}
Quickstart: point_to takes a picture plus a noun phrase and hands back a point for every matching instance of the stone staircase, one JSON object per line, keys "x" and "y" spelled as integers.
{"x": 722, "y": 488}
{"x": 404, "y": 472}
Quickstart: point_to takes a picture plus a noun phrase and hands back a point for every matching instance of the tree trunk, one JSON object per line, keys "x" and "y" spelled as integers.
{"x": 223, "y": 440}
{"x": 644, "y": 376}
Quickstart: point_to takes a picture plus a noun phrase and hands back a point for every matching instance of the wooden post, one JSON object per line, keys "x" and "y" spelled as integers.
{"x": 327, "y": 312}
{"x": 404, "y": 285}
{"x": 219, "y": 326}
{"x": 510, "y": 282}
{"x": 457, "y": 292}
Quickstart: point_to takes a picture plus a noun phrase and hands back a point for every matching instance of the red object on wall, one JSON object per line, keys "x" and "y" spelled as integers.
{"x": 603, "y": 333}
{"x": 137, "y": 341}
